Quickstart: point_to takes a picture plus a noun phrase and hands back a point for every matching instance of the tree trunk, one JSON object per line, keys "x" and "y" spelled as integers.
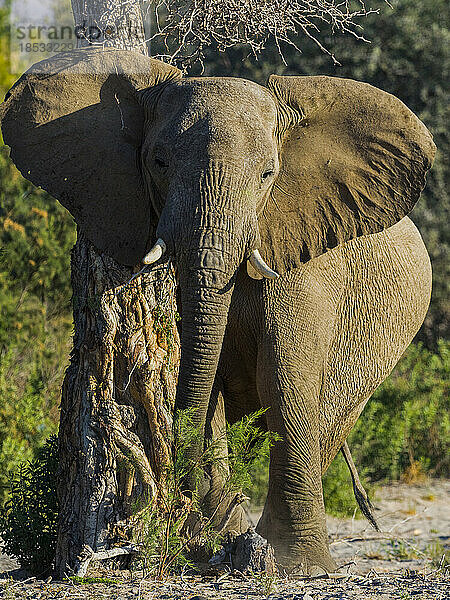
{"x": 118, "y": 392}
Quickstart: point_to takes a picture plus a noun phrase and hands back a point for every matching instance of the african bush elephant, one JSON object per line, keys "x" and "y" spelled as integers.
{"x": 302, "y": 280}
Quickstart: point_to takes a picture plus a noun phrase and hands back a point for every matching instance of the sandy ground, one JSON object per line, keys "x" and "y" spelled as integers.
{"x": 404, "y": 561}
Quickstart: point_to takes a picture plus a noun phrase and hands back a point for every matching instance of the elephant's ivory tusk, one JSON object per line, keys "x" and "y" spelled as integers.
{"x": 260, "y": 266}
{"x": 155, "y": 253}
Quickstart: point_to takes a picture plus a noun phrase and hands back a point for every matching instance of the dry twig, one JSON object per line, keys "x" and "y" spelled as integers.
{"x": 185, "y": 28}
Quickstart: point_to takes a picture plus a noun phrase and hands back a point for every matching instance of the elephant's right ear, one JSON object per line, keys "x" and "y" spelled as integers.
{"x": 74, "y": 123}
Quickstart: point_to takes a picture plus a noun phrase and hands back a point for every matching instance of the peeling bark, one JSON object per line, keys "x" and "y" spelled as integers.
{"x": 117, "y": 400}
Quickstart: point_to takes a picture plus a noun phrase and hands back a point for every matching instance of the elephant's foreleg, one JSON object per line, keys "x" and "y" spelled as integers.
{"x": 294, "y": 515}
{"x": 224, "y": 508}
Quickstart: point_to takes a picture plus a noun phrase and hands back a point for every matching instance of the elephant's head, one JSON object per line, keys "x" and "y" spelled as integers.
{"x": 215, "y": 169}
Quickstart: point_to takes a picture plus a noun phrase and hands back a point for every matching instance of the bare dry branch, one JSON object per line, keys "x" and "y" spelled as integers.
{"x": 185, "y": 28}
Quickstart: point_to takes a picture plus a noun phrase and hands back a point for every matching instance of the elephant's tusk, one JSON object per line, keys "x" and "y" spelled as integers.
{"x": 155, "y": 253}
{"x": 260, "y": 266}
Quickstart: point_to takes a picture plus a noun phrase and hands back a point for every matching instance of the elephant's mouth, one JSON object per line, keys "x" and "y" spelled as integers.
{"x": 255, "y": 259}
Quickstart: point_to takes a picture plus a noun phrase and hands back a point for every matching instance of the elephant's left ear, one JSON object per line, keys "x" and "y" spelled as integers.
{"x": 353, "y": 162}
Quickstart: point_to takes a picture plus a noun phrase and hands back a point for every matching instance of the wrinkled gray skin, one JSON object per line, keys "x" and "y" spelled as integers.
{"x": 311, "y": 346}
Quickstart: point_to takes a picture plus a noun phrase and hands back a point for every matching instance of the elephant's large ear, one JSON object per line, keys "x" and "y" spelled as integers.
{"x": 353, "y": 162}
{"x": 74, "y": 124}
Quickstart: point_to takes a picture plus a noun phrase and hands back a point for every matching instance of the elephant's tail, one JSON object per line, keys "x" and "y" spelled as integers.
{"x": 361, "y": 495}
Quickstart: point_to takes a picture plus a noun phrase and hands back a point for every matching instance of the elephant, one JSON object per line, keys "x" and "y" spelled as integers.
{"x": 284, "y": 207}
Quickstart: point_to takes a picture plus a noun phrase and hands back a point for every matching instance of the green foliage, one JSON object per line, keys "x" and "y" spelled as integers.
{"x": 248, "y": 446}
{"x": 256, "y": 490}
{"x": 28, "y": 521}
{"x": 27, "y": 417}
{"x": 6, "y": 78}
{"x": 163, "y": 535}
{"x": 407, "y": 420}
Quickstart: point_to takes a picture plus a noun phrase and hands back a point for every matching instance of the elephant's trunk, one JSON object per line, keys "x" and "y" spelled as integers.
{"x": 209, "y": 230}
{"x": 206, "y": 277}
{"x": 204, "y": 321}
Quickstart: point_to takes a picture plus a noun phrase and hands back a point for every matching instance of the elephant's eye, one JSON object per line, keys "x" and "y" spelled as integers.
{"x": 160, "y": 163}
{"x": 268, "y": 173}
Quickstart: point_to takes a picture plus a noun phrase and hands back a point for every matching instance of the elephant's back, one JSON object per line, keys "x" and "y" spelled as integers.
{"x": 384, "y": 298}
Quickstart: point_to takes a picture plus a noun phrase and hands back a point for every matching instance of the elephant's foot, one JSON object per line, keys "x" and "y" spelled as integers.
{"x": 227, "y": 514}
{"x": 236, "y": 524}
{"x": 303, "y": 558}
{"x": 301, "y": 548}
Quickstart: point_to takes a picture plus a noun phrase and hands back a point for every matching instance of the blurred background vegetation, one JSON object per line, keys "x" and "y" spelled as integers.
{"x": 404, "y": 431}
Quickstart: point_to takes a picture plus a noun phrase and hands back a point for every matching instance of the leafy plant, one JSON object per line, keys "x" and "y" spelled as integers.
{"x": 172, "y": 523}
{"x": 29, "y": 519}
{"x": 28, "y": 522}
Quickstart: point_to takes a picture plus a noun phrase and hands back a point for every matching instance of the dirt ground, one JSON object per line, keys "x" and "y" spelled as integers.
{"x": 405, "y": 561}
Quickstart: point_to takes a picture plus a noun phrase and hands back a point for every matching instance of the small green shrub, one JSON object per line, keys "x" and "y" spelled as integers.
{"x": 28, "y": 522}
{"x": 165, "y": 541}
{"x": 407, "y": 420}
{"x": 28, "y": 415}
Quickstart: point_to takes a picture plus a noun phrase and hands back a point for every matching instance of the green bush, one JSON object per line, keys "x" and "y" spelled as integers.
{"x": 407, "y": 420}
{"x": 26, "y": 416}
{"x": 165, "y": 542}
{"x": 28, "y": 522}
